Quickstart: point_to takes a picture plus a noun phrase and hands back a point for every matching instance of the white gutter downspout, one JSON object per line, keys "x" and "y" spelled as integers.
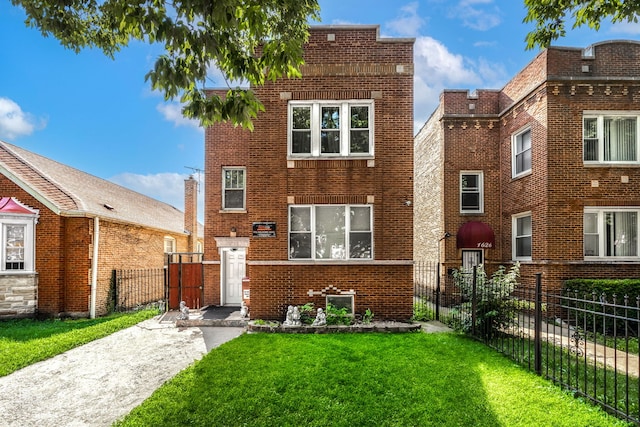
{"x": 94, "y": 267}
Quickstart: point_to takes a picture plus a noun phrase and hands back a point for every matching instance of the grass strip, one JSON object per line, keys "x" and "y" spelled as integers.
{"x": 26, "y": 341}
{"x": 360, "y": 379}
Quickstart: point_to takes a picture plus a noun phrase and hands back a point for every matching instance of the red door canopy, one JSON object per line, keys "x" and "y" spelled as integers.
{"x": 475, "y": 235}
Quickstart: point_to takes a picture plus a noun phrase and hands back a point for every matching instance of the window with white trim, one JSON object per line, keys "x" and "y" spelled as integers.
{"x": 471, "y": 192}
{"x": 611, "y": 232}
{"x": 610, "y": 138}
{"x": 330, "y": 128}
{"x": 521, "y": 153}
{"x": 233, "y": 189}
{"x": 169, "y": 245}
{"x": 522, "y": 236}
{"x": 330, "y": 232}
{"x": 18, "y": 244}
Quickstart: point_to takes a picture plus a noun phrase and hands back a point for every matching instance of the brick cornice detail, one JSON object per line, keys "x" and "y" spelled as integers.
{"x": 326, "y": 70}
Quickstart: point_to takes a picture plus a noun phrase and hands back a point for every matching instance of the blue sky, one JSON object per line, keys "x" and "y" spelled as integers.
{"x": 100, "y": 116}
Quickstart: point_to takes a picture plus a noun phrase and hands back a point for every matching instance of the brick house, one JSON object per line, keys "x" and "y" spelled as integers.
{"x": 51, "y": 215}
{"x": 311, "y": 208}
{"x": 544, "y": 171}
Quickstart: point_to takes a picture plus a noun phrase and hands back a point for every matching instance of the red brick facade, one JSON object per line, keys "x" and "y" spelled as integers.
{"x": 64, "y": 254}
{"x": 341, "y": 64}
{"x": 549, "y": 96}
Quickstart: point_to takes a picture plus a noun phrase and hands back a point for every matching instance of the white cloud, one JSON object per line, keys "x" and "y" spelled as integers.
{"x": 437, "y": 69}
{"x": 478, "y": 15}
{"x": 631, "y": 28}
{"x": 167, "y": 187}
{"x": 408, "y": 23}
{"x": 172, "y": 112}
{"x": 13, "y": 121}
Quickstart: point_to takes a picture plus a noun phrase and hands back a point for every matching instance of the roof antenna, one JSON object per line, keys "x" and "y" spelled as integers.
{"x": 198, "y": 171}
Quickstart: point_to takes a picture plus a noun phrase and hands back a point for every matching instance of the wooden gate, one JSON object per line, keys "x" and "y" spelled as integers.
{"x": 185, "y": 280}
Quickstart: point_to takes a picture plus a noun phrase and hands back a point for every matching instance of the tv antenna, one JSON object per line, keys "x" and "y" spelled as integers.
{"x": 196, "y": 171}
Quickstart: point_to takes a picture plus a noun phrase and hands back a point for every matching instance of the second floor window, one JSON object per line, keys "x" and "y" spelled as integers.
{"x": 610, "y": 138}
{"x": 233, "y": 189}
{"x": 521, "y": 153}
{"x": 330, "y": 129}
{"x": 471, "y": 187}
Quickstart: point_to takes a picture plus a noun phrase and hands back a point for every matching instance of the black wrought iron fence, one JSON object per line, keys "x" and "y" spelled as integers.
{"x": 134, "y": 289}
{"x": 585, "y": 343}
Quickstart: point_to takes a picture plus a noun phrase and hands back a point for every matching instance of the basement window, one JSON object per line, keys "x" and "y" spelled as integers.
{"x": 341, "y": 301}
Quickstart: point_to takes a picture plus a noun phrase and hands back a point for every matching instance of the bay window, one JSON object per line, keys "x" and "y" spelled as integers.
{"x": 330, "y": 128}
{"x": 330, "y": 232}
{"x": 611, "y": 232}
{"x": 610, "y": 138}
{"x": 18, "y": 244}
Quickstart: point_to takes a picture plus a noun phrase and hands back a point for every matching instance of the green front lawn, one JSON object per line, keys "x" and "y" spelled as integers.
{"x": 27, "y": 341}
{"x": 360, "y": 380}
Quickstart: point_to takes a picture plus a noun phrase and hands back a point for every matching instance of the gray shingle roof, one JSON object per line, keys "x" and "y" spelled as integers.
{"x": 70, "y": 192}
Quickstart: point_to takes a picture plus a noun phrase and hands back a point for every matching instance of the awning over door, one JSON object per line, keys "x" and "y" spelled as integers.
{"x": 475, "y": 235}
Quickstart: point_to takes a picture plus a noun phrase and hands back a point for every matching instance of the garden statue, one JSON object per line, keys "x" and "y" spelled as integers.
{"x": 289, "y": 317}
{"x": 244, "y": 310}
{"x": 293, "y": 316}
{"x": 184, "y": 311}
{"x": 321, "y": 318}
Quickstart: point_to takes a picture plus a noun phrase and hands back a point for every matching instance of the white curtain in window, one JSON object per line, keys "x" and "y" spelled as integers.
{"x": 621, "y": 233}
{"x": 619, "y": 139}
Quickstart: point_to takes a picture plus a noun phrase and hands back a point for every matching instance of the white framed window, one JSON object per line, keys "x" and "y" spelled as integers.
{"x": 18, "y": 244}
{"x": 522, "y": 236}
{"x": 471, "y": 192}
{"x": 611, "y": 233}
{"x": 611, "y": 137}
{"x": 330, "y": 128}
{"x": 233, "y": 189}
{"x": 169, "y": 245}
{"x": 330, "y": 232}
{"x": 521, "y": 153}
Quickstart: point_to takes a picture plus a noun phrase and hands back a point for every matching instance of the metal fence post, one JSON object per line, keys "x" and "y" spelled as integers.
{"x": 438, "y": 291}
{"x": 537, "y": 337}
{"x": 474, "y": 301}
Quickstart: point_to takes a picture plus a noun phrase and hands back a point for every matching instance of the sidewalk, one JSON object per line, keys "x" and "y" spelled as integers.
{"x": 102, "y": 381}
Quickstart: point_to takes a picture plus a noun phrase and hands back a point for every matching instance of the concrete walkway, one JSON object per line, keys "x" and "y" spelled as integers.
{"x": 102, "y": 381}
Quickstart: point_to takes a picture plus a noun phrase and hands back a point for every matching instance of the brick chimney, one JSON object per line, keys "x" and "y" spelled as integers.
{"x": 191, "y": 212}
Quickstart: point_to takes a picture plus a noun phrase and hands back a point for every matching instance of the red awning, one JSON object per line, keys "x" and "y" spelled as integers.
{"x": 475, "y": 235}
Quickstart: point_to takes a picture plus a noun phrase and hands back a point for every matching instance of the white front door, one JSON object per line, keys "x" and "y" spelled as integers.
{"x": 234, "y": 271}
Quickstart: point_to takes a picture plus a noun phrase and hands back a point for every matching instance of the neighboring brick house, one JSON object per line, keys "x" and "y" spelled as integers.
{"x": 50, "y": 217}
{"x": 315, "y": 203}
{"x": 545, "y": 171}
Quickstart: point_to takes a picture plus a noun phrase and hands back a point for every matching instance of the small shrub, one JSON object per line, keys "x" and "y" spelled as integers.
{"x": 368, "y": 316}
{"x": 337, "y": 316}
{"x": 496, "y": 309}
{"x": 306, "y": 316}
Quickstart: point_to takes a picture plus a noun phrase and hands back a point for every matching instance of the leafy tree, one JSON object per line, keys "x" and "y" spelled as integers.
{"x": 550, "y": 16}
{"x": 248, "y": 40}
